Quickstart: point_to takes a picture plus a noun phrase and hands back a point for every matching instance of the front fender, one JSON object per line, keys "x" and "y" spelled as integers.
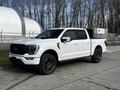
{"x": 42, "y": 50}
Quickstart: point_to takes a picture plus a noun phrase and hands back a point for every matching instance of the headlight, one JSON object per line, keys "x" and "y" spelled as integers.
{"x": 32, "y": 49}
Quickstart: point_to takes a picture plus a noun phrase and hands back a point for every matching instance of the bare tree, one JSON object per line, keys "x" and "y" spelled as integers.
{"x": 70, "y": 13}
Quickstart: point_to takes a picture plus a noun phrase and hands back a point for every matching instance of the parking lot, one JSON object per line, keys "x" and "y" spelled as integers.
{"x": 74, "y": 75}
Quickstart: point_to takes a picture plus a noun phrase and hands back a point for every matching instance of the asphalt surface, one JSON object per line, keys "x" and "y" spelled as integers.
{"x": 74, "y": 75}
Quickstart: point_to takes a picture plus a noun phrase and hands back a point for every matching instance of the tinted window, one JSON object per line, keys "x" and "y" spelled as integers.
{"x": 91, "y": 33}
{"x": 81, "y": 34}
{"x": 71, "y": 34}
{"x": 50, "y": 34}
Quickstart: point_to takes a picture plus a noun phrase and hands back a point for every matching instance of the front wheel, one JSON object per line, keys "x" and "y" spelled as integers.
{"x": 47, "y": 64}
{"x": 97, "y": 56}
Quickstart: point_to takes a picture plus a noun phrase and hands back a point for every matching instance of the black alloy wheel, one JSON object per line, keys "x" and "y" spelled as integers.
{"x": 97, "y": 56}
{"x": 47, "y": 64}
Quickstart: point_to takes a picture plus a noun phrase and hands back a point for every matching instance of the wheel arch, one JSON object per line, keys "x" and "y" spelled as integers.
{"x": 98, "y": 46}
{"x": 51, "y": 51}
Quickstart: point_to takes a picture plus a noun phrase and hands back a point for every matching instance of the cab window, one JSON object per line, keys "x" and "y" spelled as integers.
{"x": 80, "y": 34}
{"x": 71, "y": 34}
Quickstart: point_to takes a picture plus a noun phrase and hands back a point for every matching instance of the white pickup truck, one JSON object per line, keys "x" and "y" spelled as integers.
{"x": 55, "y": 45}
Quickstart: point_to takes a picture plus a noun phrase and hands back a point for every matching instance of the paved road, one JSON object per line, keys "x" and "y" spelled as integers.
{"x": 74, "y": 75}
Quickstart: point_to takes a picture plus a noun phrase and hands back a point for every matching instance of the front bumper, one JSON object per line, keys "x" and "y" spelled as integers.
{"x": 24, "y": 60}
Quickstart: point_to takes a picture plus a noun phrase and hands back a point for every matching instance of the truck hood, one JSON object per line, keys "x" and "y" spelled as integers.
{"x": 34, "y": 41}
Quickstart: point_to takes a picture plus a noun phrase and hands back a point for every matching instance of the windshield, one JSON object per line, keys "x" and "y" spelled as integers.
{"x": 48, "y": 34}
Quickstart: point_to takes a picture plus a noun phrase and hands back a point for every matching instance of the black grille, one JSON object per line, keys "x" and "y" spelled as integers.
{"x": 18, "y": 49}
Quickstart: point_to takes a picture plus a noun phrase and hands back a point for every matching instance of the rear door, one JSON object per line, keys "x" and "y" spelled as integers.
{"x": 83, "y": 43}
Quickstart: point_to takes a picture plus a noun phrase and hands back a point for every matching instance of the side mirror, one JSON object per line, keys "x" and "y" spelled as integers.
{"x": 65, "y": 39}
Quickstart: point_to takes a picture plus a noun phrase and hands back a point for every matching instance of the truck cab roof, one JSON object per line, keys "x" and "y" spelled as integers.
{"x": 66, "y": 28}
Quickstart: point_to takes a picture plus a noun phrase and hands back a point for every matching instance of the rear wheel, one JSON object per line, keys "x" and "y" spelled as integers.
{"x": 97, "y": 56}
{"x": 47, "y": 64}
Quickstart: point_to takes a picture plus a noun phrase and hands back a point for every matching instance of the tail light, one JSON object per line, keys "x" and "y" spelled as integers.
{"x": 105, "y": 43}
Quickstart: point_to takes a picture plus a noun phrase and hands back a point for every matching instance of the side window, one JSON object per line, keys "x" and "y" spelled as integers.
{"x": 81, "y": 34}
{"x": 71, "y": 34}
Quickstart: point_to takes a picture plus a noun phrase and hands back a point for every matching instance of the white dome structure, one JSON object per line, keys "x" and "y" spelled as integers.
{"x": 11, "y": 21}
{"x": 32, "y": 27}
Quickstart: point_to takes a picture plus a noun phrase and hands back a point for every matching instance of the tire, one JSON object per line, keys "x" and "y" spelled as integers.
{"x": 97, "y": 56}
{"x": 47, "y": 64}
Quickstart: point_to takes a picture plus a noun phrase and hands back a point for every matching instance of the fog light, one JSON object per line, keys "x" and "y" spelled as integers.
{"x": 29, "y": 58}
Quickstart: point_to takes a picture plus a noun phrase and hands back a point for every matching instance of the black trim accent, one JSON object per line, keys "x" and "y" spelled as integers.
{"x": 16, "y": 61}
{"x": 58, "y": 45}
{"x": 18, "y": 49}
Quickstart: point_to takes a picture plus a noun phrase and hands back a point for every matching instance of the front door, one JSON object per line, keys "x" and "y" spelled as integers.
{"x": 69, "y": 49}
